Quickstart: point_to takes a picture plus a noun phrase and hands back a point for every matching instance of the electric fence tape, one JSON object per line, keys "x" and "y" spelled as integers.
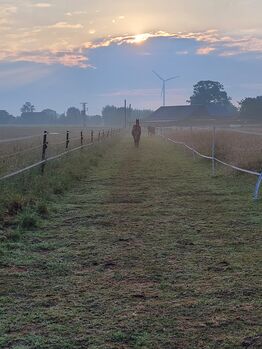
{"x": 254, "y": 173}
{"x": 15, "y": 173}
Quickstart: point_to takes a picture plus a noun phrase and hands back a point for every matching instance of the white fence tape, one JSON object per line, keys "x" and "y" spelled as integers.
{"x": 25, "y": 169}
{"x": 190, "y": 148}
{"x": 254, "y": 173}
{"x": 211, "y": 158}
{"x": 9, "y": 140}
{"x": 22, "y": 170}
{"x": 238, "y": 168}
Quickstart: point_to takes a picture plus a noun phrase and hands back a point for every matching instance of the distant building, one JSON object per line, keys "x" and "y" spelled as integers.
{"x": 171, "y": 115}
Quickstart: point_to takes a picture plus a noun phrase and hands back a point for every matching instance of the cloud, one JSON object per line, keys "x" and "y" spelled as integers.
{"x": 226, "y": 45}
{"x": 182, "y": 53}
{"x": 65, "y": 25}
{"x": 61, "y": 51}
{"x": 204, "y": 51}
{"x": 146, "y": 92}
{"x": 41, "y": 5}
{"x": 20, "y": 76}
{"x": 76, "y": 13}
{"x": 66, "y": 58}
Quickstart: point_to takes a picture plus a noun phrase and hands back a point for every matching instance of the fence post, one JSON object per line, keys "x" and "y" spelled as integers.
{"x": 92, "y": 136}
{"x": 99, "y": 135}
{"x": 103, "y": 134}
{"x": 258, "y": 185}
{"x": 214, "y": 151}
{"x": 82, "y": 138}
{"x": 44, "y": 148}
{"x": 192, "y": 144}
{"x": 67, "y": 139}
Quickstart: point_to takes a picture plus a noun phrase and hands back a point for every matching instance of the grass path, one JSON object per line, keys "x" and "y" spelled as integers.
{"x": 146, "y": 252}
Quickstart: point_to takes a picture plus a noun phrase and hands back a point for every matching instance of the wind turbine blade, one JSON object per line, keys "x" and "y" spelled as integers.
{"x": 157, "y": 75}
{"x": 174, "y": 77}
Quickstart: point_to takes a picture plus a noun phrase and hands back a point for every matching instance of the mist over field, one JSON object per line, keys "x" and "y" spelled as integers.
{"x": 130, "y": 174}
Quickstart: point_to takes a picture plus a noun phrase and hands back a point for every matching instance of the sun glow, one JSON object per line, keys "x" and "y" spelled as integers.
{"x": 138, "y": 39}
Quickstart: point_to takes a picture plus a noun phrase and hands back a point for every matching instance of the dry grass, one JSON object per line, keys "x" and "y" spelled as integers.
{"x": 239, "y": 149}
{"x": 23, "y": 152}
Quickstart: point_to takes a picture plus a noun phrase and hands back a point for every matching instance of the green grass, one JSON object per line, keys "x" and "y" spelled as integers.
{"x": 145, "y": 250}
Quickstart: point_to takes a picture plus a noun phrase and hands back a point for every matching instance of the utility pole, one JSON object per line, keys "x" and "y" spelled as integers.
{"x": 125, "y": 114}
{"x": 83, "y": 113}
{"x": 129, "y": 113}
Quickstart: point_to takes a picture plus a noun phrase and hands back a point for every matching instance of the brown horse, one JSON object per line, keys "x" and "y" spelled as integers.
{"x": 136, "y": 133}
{"x": 151, "y": 131}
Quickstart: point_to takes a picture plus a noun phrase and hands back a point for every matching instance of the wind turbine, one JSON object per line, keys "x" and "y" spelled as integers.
{"x": 163, "y": 93}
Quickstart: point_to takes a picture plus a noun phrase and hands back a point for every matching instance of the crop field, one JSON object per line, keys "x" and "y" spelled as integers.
{"x": 238, "y": 147}
{"x": 124, "y": 248}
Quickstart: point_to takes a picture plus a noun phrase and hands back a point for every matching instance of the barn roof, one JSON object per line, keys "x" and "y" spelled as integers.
{"x": 177, "y": 113}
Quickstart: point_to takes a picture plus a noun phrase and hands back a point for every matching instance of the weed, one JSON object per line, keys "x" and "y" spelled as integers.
{"x": 14, "y": 235}
{"x": 120, "y": 337}
{"x": 28, "y": 220}
{"x": 42, "y": 210}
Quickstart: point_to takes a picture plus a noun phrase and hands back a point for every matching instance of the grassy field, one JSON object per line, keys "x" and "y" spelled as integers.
{"x": 236, "y": 147}
{"x": 141, "y": 249}
{"x": 21, "y": 146}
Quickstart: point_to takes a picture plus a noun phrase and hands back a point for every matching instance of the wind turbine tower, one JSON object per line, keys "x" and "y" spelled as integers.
{"x": 164, "y": 81}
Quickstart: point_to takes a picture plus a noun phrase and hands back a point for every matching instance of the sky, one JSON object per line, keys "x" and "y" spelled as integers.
{"x": 59, "y": 53}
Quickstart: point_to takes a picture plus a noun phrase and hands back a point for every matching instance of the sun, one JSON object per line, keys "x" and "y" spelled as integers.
{"x": 138, "y": 39}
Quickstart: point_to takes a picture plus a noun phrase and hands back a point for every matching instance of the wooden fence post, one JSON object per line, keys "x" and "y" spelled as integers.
{"x": 67, "y": 139}
{"x": 92, "y": 136}
{"x": 82, "y": 138}
{"x": 99, "y": 135}
{"x": 214, "y": 152}
{"x": 44, "y": 148}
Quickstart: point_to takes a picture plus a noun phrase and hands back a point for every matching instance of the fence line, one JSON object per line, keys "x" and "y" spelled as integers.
{"x": 228, "y": 129}
{"x": 240, "y": 131}
{"x": 214, "y": 159}
{"x": 9, "y": 140}
{"x": 44, "y": 160}
{"x": 19, "y": 152}
{"x": 22, "y": 170}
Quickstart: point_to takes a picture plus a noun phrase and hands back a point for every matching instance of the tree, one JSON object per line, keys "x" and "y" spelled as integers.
{"x": 209, "y": 92}
{"x": 5, "y": 117}
{"x": 251, "y": 107}
{"x": 73, "y": 112}
{"x": 114, "y": 116}
{"x": 27, "y": 108}
{"x": 73, "y": 116}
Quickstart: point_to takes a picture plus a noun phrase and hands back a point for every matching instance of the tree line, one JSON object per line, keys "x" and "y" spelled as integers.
{"x": 207, "y": 93}
{"x": 111, "y": 116}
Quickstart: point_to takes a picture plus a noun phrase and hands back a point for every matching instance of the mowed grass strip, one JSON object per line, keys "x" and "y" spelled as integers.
{"x": 147, "y": 251}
